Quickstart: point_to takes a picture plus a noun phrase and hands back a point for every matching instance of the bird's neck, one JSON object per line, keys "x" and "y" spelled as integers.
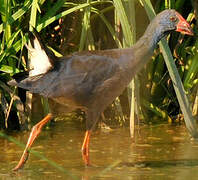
{"x": 153, "y": 34}
{"x": 141, "y": 52}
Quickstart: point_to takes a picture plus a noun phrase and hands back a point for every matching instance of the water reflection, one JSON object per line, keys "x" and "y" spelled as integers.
{"x": 159, "y": 152}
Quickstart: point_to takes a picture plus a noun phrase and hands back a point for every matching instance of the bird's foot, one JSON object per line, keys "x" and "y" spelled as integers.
{"x": 22, "y": 161}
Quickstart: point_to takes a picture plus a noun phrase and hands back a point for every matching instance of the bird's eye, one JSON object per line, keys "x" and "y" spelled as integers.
{"x": 173, "y": 19}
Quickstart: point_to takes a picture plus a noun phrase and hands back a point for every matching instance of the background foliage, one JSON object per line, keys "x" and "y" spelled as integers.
{"x": 69, "y": 26}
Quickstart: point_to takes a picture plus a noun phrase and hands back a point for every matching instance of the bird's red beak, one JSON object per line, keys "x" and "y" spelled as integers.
{"x": 183, "y": 26}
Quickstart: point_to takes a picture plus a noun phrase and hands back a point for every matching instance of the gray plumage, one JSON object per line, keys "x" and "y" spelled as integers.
{"x": 92, "y": 80}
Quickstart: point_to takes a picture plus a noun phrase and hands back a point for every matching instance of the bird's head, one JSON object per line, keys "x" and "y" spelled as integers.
{"x": 171, "y": 20}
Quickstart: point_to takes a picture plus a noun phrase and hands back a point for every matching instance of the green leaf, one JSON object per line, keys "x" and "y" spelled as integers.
{"x": 191, "y": 73}
{"x": 128, "y": 36}
{"x": 8, "y": 69}
{"x": 33, "y": 15}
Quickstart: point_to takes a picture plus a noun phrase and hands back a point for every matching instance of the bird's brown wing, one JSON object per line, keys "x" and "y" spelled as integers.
{"x": 79, "y": 76}
{"x": 83, "y": 75}
{"x": 75, "y": 76}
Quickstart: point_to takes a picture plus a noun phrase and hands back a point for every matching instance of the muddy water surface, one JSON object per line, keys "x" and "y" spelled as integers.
{"x": 159, "y": 152}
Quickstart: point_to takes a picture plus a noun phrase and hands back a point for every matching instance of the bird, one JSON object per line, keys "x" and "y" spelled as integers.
{"x": 90, "y": 80}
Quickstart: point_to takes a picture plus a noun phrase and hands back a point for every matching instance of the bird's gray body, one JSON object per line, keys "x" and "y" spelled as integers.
{"x": 92, "y": 80}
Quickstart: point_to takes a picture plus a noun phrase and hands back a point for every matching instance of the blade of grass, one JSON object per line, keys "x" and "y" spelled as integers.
{"x": 109, "y": 26}
{"x": 53, "y": 10}
{"x": 33, "y": 15}
{"x": 85, "y": 27}
{"x": 109, "y": 168}
{"x": 118, "y": 106}
{"x": 129, "y": 40}
{"x": 195, "y": 105}
{"x": 191, "y": 73}
{"x": 64, "y": 13}
{"x": 7, "y": 12}
{"x": 128, "y": 36}
{"x": 131, "y": 14}
{"x": 32, "y": 23}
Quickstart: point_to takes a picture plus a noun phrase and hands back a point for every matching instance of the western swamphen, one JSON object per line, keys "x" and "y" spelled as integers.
{"x": 90, "y": 80}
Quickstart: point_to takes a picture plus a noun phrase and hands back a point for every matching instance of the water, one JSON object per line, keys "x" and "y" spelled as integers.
{"x": 159, "y": 152}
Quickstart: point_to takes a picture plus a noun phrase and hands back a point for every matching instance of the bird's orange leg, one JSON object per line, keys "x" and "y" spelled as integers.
{"x": 85, "y": 148}
{"x": 34, "y": 133}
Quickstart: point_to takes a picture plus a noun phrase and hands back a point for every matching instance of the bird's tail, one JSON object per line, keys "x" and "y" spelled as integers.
{"x": 41, "y": 61}
{"x": 41, "y": 58}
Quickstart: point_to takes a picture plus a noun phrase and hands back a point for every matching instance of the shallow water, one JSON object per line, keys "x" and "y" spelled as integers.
{"x": 159, "y": 152}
